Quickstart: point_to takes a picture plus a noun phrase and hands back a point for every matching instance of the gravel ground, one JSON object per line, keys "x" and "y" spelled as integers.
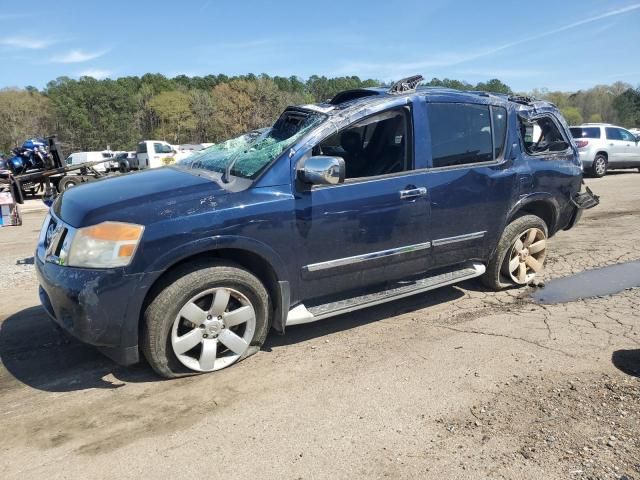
{"x": 458, "y": 383}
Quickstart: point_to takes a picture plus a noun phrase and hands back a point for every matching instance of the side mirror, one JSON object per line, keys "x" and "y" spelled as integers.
{"x": 322, "y": 170}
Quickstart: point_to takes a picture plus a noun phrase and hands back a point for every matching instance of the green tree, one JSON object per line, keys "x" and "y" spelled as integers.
{"x": 627, "y": 106}
{"x": 23, "y": 114}
{"x": 494, "y": 85}
{"x": 175, "y": 119}
{"x": 572, "y": 115}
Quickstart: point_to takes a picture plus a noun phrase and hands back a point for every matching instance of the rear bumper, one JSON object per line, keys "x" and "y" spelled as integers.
{"x": 98, "y": 307}
{"x": 582, "y": 201}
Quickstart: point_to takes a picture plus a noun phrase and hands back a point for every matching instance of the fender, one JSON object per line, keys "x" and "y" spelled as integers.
{"x": 527, "y": 199}
{"x": 218, "y": 242}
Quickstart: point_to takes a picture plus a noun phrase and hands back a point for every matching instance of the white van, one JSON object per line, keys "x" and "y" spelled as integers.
{"x": 84, "y": 157}
{"x": 151, "y": 153}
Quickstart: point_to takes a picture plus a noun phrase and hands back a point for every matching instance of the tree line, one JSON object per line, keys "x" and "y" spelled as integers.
{"x": 90, "y": 114}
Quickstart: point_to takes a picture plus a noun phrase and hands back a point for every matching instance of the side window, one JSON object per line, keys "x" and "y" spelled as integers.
{"x": 142, "y": 147}
{"x": 626, "y": 136}
{"x": 460, "y": 134}
{"x": 158, "y": 148}
{"x": 613, "y": 133}
{"x": 377, "y": 145}
{"x": 499, "y": 117}
{"x": 542, "y": 135}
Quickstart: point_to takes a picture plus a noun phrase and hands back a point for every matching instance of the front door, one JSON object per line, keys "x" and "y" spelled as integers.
{"x": 374, "y": 227}
{"x": 631, "y": 149}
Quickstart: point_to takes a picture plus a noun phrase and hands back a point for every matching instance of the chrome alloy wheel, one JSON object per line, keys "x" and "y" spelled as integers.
{"x": 600, "y": 166}
{"x": 213, "y": 329}
{"x": 527, "y": 256}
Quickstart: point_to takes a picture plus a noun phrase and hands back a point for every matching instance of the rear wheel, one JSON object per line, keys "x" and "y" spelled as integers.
{"x": 68, "y": 182}
{"x": 599, "y": 166}
{"x": 205, "y": 319}
{"x": 520, "y": 254}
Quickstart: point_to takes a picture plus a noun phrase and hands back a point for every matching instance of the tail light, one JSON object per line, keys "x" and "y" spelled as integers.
{"x": 582, "y": 143}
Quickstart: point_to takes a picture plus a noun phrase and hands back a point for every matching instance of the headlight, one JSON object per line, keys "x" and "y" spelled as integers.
{"x": 106, "y": 245}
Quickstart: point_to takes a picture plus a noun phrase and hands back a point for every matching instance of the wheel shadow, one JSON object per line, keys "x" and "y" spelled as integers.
{"x": 37, "y": 353}
{"x": 348, "y": 321}
{"x": 627, "y": 361}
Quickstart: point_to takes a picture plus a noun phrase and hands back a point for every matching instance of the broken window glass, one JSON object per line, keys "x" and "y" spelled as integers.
{"x": 250, "y": 153}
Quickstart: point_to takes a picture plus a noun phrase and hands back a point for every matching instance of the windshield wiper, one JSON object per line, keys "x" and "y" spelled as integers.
{"x": 227, "y": 171}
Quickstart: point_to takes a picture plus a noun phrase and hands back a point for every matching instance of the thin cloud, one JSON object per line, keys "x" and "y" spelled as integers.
{"x": 564, "y": 28}
{"x": 452, "y": 59}
{"x": 96, "y": 73}
{"x": 77, "y": 56}
{"x": 23, "y": 42}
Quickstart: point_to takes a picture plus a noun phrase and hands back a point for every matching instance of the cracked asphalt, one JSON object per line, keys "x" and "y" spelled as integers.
{"x": 456, "y": 383}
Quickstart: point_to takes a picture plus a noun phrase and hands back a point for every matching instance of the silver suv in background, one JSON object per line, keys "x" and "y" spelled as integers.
{"x": 605, "y": 147}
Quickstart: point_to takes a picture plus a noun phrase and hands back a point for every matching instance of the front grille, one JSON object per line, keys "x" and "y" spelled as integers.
{"x": 56, "y": 235}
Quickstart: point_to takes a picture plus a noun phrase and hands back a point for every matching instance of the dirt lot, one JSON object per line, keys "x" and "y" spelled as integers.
{"x": 457, "y": 383}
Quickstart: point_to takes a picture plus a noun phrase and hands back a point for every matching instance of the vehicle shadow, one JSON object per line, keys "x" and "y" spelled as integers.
{"x": 347, "y": 321}
{"x": 627, "y": 361}
{"x": 37, "y": 353}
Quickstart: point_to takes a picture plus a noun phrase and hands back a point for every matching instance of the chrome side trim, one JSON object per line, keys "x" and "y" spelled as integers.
{"x": 339, "y": 262}
{"x": 460, "y": 238}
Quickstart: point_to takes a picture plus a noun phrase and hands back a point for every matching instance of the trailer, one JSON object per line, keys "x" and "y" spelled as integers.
{"x": 55, "y": 178}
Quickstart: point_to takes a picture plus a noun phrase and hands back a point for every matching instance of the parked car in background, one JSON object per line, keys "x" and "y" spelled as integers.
{"x": 129, "y": 159}
{"x": 377, "y": 195}
{"x": 152, "y": 153}
{"x": 605, "y": 147}
{"x": 183, "y": 151}
{"x": 84, "y": 157}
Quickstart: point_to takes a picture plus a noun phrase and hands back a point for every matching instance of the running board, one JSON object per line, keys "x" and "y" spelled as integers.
{"x": 300, "y": 314}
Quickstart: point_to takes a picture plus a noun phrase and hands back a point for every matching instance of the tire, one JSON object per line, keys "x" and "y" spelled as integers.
{"x": 165, "y": 325}
{"x": 68, "y": 182}
{"x": 498, "y": 276}
{"x": 599, "y": 166}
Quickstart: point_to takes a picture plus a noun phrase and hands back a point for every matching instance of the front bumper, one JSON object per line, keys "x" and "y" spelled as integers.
{"x": 98, "y": 307}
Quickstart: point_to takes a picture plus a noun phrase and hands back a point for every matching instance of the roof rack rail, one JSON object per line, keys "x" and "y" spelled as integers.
{"x": 405, "y": 85}
{"x": 523, "y": 99}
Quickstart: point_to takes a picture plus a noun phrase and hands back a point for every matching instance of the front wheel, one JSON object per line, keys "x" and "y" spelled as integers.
{"x": 520, "y": 254}
{"x": 599, "y": 167}
{"x": 205, "y": 319}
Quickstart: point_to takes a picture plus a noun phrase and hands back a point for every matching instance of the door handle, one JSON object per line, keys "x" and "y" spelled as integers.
{"x": 413, "y": 193}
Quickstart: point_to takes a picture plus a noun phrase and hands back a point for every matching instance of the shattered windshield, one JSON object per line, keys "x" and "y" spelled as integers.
{"x": 250, "y": 153}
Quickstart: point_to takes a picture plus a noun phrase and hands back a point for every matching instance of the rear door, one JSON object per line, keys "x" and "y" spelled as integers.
{"x": 616, "y": 147}
{"x": 469, "y": 184}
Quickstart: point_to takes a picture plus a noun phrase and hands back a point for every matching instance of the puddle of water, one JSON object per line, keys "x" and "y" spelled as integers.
{"x": 592, "y": 283}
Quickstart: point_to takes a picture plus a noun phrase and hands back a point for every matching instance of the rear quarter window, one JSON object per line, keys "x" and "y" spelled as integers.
{"x": 142, "y": 148}
{"x": 585, "y": 132}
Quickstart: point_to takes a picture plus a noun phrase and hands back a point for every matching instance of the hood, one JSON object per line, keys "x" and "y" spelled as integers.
{"x": 142, "y": 197}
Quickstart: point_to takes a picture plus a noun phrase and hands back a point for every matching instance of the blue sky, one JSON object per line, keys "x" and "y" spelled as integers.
{"x": 545, "y": 43}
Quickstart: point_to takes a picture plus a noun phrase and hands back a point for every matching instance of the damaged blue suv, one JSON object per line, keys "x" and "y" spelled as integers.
{"x": 373, "y": 196}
